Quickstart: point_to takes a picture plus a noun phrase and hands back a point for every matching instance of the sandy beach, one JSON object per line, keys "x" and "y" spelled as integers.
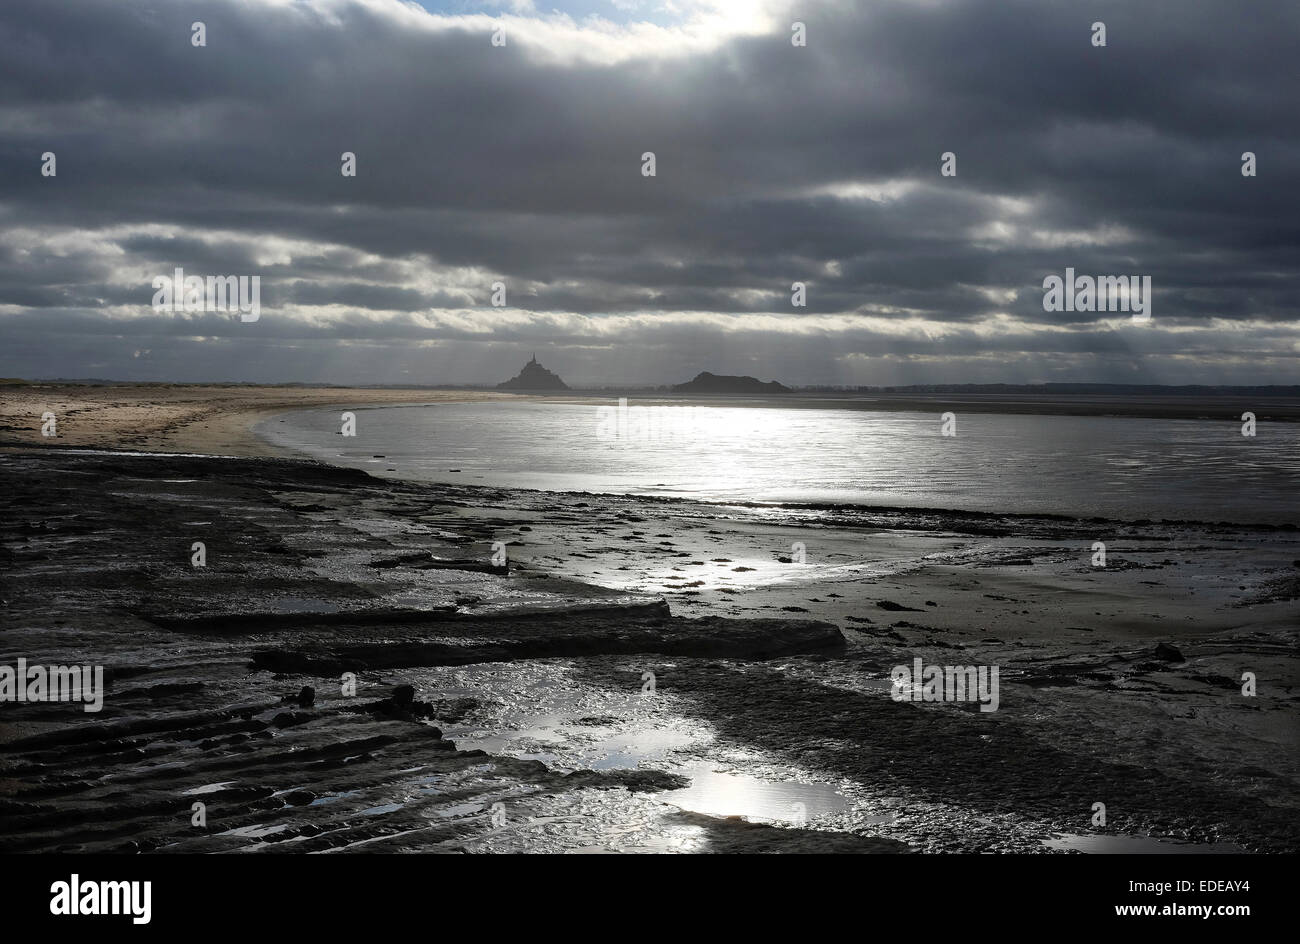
{"x": 187, "y": 418}
{"x": 635, "y": 675}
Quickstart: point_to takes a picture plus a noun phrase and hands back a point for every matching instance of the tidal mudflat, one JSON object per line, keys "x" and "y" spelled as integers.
{"x": 365, "y": 664}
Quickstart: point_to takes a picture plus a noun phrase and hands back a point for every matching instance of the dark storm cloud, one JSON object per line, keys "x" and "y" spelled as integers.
{"x": 523, "y": 164}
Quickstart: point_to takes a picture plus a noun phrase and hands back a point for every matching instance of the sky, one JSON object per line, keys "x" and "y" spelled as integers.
{"x": 775, "y": 163}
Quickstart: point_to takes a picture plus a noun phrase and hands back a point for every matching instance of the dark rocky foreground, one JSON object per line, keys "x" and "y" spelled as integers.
{"x": 338, "y": 675}
{"x": 225, "y": 682}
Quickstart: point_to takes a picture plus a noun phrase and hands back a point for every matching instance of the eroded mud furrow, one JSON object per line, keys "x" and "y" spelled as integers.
{"x": 207, "y": 739}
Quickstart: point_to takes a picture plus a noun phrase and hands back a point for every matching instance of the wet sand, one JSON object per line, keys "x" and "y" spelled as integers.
{"x": 528, "y": 724}
{"x": 184, "y": 418}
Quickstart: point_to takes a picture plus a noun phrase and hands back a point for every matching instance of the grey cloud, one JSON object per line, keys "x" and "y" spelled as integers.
{"x": 493, "y": 161}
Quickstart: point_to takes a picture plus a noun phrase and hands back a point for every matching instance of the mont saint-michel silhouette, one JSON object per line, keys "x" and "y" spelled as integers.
{"x": 534, "y": 377}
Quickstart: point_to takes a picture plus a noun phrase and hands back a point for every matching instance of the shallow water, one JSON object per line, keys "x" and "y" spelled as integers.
{"x": 717, "y": 793}
{"x": 1115, "y": 467}
{"x": 536, "y": 720}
